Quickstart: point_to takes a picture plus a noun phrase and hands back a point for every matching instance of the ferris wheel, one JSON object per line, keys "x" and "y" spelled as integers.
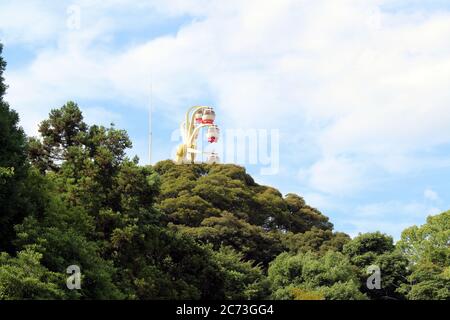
{"x": 197, "y": 118}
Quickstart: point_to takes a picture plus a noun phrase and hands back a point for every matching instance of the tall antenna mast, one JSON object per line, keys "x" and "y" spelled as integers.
{"x": 150, "y": 111}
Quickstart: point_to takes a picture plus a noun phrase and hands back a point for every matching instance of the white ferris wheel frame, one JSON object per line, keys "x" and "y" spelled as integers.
{"x": 187, "y": 151}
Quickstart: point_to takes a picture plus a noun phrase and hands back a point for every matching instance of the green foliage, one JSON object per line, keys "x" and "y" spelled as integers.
{"x": 23, "y": 277}
{"x": 13, "y": 167}
{"x": 228, "y": 188}
{"x": 242, "y": 280}
{"x": 302, "y": 217}
{"x": 100, "y": 215}
{"x": 428, "y": 249}
{"x": 62, "y": 236}
{"x": 368, "y": 244}
{"x": 253, "y": 241}
{"x": 157, "y": 264}
{"x": 299, "y": 294}
{"x": 222, "y": 205}
{"x": 331, "y": 275}
{"x": 63, "y": 130}
{"x": 3, "y": 85}
{"x": 316, "y": 240}
{"x": 5, "y": 173}
{"x": 429, "y": 242}
{"x": 378, "y": 249}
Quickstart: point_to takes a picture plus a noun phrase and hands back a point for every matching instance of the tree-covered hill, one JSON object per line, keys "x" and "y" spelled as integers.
{"x": 71, "y": 196}
{"x": 222, "y": 205}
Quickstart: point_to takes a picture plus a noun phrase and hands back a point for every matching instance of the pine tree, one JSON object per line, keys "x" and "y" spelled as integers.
{"x": 13, "y": 167}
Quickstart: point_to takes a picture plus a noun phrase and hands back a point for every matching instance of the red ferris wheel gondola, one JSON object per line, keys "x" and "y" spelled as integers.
{"x": 213, "y": 134}
{"x": 208, "y": 116}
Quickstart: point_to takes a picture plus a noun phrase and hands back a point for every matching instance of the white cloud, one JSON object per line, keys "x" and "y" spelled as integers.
{"x": 390, "y": 217}
{"x": 337, "y": 176}
{"x": 100, "y": 116}
{"x": 370, "y": 86}
{"x": 431, "y": 195}
{"x": 27, "y": 22}
{"x": 395, "y": 208}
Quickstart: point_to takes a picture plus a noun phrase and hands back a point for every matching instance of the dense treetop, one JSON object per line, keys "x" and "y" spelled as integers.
{"x": 222, "y": 204}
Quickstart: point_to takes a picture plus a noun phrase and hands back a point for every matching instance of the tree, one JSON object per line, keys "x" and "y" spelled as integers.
{"x": 316, "y": 240}
{"x": 253, "y": 241}
{"x": 158, "y": 264}
{"x": 309, "y": 276}
{"x": 378, "y": 249}
{"x": 368, "y": 244}
{"x": 23, "y": 277}
{"x": 63, "y": 130}
{"x": 102, "y": 217}
{"x": 242, "y": 279}
{"x": 13, "y": 167}
{"x": 62, "y": 236}
{"x": 303, "y": 217}
{"x": 427, "y": 249}
{"x": 222, "y": 205}
{"x": 215, "y": 189}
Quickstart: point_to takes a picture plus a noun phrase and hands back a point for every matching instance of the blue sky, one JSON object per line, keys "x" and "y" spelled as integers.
{"x": 358, "y": 90}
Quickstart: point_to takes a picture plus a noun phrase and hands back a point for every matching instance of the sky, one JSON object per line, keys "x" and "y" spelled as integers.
{"x": 356, "y": 91}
